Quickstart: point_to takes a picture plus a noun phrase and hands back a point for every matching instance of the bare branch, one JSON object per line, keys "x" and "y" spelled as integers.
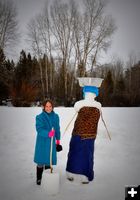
{"x": 8, "y": 24}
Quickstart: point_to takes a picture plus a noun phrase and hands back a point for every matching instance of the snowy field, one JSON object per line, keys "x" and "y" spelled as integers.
{"x": 117, "y": 162}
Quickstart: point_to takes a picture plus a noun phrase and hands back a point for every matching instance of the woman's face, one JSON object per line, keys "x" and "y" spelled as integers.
{"x": 48, "y": 107}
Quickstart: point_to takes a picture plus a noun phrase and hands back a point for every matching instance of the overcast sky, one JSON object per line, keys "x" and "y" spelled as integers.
{"x": 126, "y": 13}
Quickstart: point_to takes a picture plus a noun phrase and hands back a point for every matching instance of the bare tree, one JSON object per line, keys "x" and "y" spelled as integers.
{"x": 39, "y": 32}
{"x": 47, "y": 40}
{"x": 92, "y": 33}
{"x": 74, "y": 35}
{"x": 35, "y": 39}
{"x": 129, "y": 76}
{"x": 132, "y": 60}
{"x": 62, "y": 28}
{"x": 8, "y": 24}
{"x": 117, "y": 69}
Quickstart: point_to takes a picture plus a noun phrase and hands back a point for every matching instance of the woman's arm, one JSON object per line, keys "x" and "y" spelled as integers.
{"x": 40, "y": 128}
{"x": 57, "y": 128}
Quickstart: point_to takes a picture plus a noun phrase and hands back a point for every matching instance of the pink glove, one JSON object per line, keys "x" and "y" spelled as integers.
{"x": 57, "y": 141}
{"x": 51, "y": 133}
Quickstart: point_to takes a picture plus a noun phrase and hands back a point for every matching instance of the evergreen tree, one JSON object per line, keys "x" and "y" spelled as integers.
{"x": 6, "y": 76}
{"x": 24, "y": 90}
{"x": 106, "y": 90}
{"x": 120, "y": 85}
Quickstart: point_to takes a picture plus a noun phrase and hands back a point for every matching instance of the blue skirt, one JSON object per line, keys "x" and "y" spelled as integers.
{"x": 81, "y": 157}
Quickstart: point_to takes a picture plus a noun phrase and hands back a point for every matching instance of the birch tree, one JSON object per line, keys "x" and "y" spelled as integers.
{"x": 35, "y": 39}
{"x": 93, "y": 30}
{"x": 40, "y": 37}
{"x": 74, "y": 35}
{"x": 62, "y": 28}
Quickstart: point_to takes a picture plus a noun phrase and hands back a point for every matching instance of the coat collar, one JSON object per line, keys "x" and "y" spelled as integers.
{"x": 47, "y": 117}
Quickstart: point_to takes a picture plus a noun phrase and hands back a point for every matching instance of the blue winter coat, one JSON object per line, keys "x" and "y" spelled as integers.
{"x": 44, "y": 123}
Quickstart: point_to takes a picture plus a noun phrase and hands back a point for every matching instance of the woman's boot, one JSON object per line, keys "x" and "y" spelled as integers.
{"x": 39, "y": 171}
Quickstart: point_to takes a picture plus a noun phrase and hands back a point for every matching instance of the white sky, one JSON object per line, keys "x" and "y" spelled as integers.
{"x": 127, "y": 37}
{"x": 126, "y": 13}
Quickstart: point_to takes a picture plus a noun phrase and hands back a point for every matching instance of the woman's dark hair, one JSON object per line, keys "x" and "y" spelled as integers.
{"x": 46, "y": 101}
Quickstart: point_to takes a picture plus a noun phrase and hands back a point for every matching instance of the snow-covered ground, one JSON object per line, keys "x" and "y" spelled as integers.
{"x": 117, "y": 162}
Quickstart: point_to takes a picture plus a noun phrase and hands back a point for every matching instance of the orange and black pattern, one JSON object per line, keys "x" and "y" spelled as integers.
{"x": 87, "y": 122}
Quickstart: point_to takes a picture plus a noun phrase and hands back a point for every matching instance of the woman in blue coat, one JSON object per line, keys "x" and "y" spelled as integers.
{"x": 47, "y": 126}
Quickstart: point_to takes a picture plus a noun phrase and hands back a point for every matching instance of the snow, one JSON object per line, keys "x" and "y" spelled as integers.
{"x": 117, "y": 162}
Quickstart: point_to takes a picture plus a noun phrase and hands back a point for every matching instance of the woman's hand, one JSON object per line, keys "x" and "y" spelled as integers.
{"x": 51, "y": 133}
{"x": 58, "y": 146}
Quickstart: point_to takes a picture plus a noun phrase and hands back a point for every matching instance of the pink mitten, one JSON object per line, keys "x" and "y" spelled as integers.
{"x": 57, "y": 141}
{"x": 51, "y": 133}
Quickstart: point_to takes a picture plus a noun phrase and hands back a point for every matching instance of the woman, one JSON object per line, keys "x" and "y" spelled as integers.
{"x": 47, "y": 126}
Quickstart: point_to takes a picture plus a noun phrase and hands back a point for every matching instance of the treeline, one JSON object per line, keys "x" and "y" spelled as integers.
{"x": 66, "y": 39}
{"x": 22, "y": 82}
